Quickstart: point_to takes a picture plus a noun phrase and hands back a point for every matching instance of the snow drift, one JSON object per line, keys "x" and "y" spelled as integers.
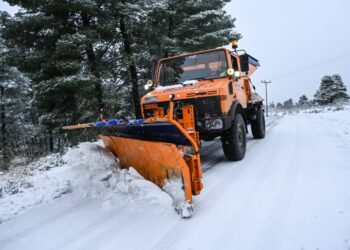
{"x": 88, "y": 170}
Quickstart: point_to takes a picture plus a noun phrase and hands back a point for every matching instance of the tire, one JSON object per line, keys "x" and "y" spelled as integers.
{"x": 234, "y": 140}
{"x": 258, "y": 125}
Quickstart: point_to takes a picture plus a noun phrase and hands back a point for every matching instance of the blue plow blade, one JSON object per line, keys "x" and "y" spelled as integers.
{"x": 138, "y": 129}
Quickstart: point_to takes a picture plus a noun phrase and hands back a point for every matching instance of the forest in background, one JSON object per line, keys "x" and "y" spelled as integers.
{"x": 62, "y": 61}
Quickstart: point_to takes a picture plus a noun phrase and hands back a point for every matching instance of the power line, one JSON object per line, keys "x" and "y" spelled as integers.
{"x": 311, "y": 65}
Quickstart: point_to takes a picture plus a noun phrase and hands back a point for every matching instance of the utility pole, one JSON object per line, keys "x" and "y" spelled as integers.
{"x": 267, "y": 104}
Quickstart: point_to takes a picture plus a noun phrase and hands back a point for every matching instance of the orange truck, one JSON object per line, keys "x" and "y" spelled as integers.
{"x": 195, "y": 97}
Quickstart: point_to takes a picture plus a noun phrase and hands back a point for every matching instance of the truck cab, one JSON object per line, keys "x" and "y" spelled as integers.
{"x": 217, "y": 84}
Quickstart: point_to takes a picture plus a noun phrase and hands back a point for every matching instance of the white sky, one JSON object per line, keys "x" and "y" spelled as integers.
{"x": 6, "y": 7}
{"x": 297, "y": 42}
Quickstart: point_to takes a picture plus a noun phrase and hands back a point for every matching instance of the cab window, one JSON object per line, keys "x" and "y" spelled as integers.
{"x": 234, "y": 62}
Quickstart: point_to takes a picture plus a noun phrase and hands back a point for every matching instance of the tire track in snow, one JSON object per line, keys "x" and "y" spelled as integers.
{"x": 208, "y": 200}
{"x": 60, "y": 215}
{"x": 213, "y": 154}
{"x": 260, "y": 186}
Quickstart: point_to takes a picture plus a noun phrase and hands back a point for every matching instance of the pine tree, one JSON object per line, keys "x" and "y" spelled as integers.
{"x": 62, "y": 45}
{"x": 332, "y": 90}
{"x": 340, "y": 94}
{"x": 323, "y": 94}
{"x": 303, "y": 101}
{"x": 16, "y": 121}
{"x": 189, "y": 25}
{"x": 288, "y": 104}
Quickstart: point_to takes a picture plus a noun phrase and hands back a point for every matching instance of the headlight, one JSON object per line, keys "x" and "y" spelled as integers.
{"x": 151, "y": 99}
{"x": 214, "y": 124}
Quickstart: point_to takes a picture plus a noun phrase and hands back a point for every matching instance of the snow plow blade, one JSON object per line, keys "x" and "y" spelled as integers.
{"x": 161, "y": 150}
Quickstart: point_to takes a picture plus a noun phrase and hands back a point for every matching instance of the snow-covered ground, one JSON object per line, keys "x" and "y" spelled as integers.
{"x": 88, "y": 171}
{"x": 292, "y": 191}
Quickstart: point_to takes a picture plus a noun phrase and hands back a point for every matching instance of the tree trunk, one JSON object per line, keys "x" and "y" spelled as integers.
{"x": 3, "y": 126}
{"x": 2, "y": 110}
{"x": 94, "y": 67}
{"x": 131, "y": 67}
{"x": 169, "y": 34}
{"x": 50, "y": 141}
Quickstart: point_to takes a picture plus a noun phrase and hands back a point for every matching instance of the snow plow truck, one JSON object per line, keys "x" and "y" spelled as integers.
{"x": 194, "y": 97}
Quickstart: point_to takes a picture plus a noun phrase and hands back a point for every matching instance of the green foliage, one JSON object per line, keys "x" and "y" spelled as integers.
{"x": 303, "y": 101}
{"x": 332, "y": 91}
{"x": 288, "y": 104}
{"x": 16, "y": 121}
{"x": 183, "y": 26}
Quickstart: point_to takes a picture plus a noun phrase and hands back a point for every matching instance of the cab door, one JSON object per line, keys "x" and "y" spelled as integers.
{"x": 241, "y": 86}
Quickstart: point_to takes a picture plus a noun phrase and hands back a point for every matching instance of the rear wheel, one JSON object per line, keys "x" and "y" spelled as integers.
{"x": 258, "y": 125}
{"x": 234, "y": 140}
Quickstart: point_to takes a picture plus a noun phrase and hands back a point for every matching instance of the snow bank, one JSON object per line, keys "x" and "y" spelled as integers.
{"x": 336, "y": 119}
{"x": 85, "y": 171}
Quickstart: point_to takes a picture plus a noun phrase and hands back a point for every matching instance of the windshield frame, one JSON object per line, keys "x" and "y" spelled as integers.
{"x": 163, "y": 60}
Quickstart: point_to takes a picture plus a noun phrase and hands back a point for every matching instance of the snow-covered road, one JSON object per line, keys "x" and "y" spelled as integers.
{"x": 292, "y": 191}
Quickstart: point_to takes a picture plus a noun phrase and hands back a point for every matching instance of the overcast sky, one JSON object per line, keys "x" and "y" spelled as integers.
{"x": 297, "y": 42}
{"x": 6, "y": 7}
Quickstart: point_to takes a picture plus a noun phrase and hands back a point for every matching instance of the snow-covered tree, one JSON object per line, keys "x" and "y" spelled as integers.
{"x": 332, "y": 91}
{"x": 189, "y": 25}
{"x": 288, "y": 104}
{"x": 61, "y": 46}
{"x": 16, "y": 121}
{"x": 303, "y": 102}
{"x": 340, "y": 91}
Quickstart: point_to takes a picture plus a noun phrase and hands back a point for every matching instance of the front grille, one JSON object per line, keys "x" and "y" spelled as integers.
{"x": 202, "y": 106}
{"x": 207, "y": 106}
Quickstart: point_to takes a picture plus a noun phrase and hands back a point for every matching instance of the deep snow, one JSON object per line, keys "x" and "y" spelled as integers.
{"x": 85, "y": 171}
{"x": 292, "y": 191}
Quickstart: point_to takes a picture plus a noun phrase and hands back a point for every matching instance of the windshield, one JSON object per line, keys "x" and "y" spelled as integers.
{"x": 206, "y": 65}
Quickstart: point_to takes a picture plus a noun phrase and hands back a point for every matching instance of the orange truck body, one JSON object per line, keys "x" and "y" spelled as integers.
{"x": 189, "y": 108}
{"x": 213, "y": 87}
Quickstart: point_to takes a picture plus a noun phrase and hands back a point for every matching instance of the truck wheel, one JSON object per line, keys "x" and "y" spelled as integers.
{"x": 258, "y": 125}
{"x": 234, "y": 140}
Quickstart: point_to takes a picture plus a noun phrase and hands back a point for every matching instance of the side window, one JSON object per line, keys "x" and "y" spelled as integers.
{"x": 234, "y": 62}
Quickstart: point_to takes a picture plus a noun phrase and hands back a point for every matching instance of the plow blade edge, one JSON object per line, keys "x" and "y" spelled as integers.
{"x": 158, "y": 162}
{"x": 158, "y": 152}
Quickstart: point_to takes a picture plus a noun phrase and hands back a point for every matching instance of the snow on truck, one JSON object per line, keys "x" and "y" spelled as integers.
{"x": 196, "y": 96}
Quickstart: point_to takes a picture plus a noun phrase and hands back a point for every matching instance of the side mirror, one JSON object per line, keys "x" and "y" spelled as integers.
{"x": 244, "y": 61}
